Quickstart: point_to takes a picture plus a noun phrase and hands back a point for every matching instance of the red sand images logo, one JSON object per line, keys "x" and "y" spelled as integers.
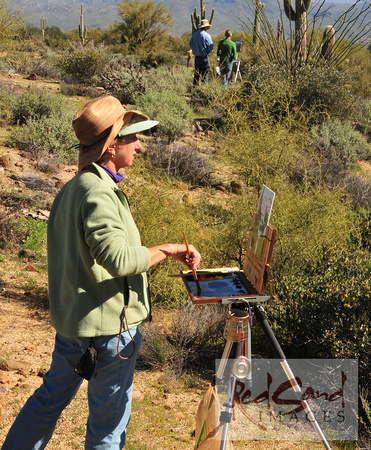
{"x": 244, "y": 396}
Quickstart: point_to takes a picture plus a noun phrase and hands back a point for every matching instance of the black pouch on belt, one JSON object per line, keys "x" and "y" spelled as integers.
{"x": 86, "y": 365}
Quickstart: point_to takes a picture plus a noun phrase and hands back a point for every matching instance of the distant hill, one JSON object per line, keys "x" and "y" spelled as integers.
{"x": 103, "y": 13}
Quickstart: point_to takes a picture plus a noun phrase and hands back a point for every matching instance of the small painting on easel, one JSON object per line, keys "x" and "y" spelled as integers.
{"x": 262, "y": 216}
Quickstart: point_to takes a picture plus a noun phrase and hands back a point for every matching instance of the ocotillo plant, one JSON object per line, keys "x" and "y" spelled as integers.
{"x": 256, "y": 31}
{"x": 196, "y": 19}
{"x": 83, "y": 29}
{"x": 43, "y": 25}
{"x": 299, "y": 16}
{"x": 328, "y": 44}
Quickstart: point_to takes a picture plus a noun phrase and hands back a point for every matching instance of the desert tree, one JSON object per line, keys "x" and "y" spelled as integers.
{"x": 10, "y": 21}
{"x": 143, "y": 23}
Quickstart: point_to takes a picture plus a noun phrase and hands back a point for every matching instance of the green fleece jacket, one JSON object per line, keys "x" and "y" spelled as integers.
{"x": 96, "y": 262}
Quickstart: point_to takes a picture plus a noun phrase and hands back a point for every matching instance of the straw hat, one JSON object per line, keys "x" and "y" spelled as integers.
{"x": 98, "y": 122}
{"x": 204, "y": 24}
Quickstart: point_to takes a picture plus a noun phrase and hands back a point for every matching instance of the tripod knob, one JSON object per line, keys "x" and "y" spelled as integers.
{"x": 241, "y": 368}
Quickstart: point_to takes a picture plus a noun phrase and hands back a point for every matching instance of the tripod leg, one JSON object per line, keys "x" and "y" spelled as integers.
{"x": 223, "y": 361}
{"x": 226, "y": 416}
{"x": 279, "y": 354}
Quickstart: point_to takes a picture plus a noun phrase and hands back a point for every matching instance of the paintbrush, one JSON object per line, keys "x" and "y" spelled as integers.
{"x": 193, "y": 270}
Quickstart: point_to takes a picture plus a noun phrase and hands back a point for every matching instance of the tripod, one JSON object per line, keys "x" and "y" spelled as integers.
{"x": 238, "y": 330}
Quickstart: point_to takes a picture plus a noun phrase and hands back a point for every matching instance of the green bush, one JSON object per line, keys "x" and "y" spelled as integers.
{"x": 171, "y": 110}
{"x": 48, "y": 135}
{"x": 82, "y": 65}
{"x": 7, "y": 101}
{"x": 177, "y": 79}
{"x": 18, "y": 62}
{"x": 34, "y": 105}
{"x": 268, "y": 93}
{"x": 324, "y": 91}
{"x": 180, "y": 162}
{"x": 35, "y": 235}
{"x": 340, "y": 143}
{"x": 272, "y": 93}
{"x": 325, "y": 312}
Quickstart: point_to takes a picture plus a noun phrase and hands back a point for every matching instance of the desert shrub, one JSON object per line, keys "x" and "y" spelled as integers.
{"x": 46, "y": 69}
{"x": 272, "y": 93}
{"x": 81, "y": 65}
{"x": 18, "y": 62}
{"x": 155, "y": 59}
{"x": 358, "y": 186}
{"x": 358, "y": 65}
{"x": 305, "y": 221}
{"x": 171, "y": 110}
{"x": 35, "y": 235}
{"x": 269, "y": 93}
{"x": 340, "y": 143}
{"x": 126, "y": 82}
{"x": 264, "y": 153}
{"x": 7, "y": 101}
{"x": 182, "y": 163}
{"x": 191, "y": 345}
{"x": 196, "y": 338}
{"x": 34, "y": 105}
{"x": 11, "y": 233}
{"x": 48, "y": 134}
{"x": 167, "y": 78}
{"x": 155, "y": 350}
{"x": 325, "y": 312}
{"x": 81, "y": 90}
{"x": 363, "y": 116}
{"x": 324, "y": 91}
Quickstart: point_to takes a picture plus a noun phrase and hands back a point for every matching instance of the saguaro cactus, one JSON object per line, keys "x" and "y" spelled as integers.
{"x": 328, "y": 43}
{"x": 83, "y": 29}
{"x": 299, "y": 16}
{"x": 43, "y": 25}
{"x": 196, "y": 19}
{"x": 256, "y": 31}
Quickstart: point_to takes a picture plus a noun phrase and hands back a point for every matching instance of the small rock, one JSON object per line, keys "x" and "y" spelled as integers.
{"x": 179, "y": 415}
{"x": 4, "y": 379}
{"x": 236, "y": 187}
{"x": 137, "y": 395}
{"x": 42, "y": 372}
{"x": 27, "y": 386}
{"x": 182, "y": 186}
{"x": 11, "y": 364}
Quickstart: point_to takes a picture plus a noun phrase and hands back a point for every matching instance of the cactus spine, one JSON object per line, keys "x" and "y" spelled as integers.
{"x": 83, "y": 29}
{"x": 328, "y": 43}
{"x": 299, "y": 16}
{"x": 256, "y": 31}
{"x": 196, "y": 19}
{"x": 43, "y": 25}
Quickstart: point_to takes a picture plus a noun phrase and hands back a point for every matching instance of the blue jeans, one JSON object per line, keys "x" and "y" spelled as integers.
{"x": 109, "y": 394}
{"x": 202, "y": 67}
{"x": 226, "y": 72}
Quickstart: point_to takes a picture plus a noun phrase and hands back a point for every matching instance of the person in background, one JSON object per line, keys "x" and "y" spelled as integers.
{"x": 97, "y": 285}
{"x": 201, "y": 46}
{"x": 227, "y": 52}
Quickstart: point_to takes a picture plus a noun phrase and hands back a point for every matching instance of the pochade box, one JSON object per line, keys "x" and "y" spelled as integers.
{"x": 224, "y": 285}
{"x": 231, "y": 284}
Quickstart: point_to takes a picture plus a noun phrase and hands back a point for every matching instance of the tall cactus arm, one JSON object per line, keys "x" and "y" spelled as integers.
{"x": 289, "y": 10}
{"x": 212, "y": 16}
